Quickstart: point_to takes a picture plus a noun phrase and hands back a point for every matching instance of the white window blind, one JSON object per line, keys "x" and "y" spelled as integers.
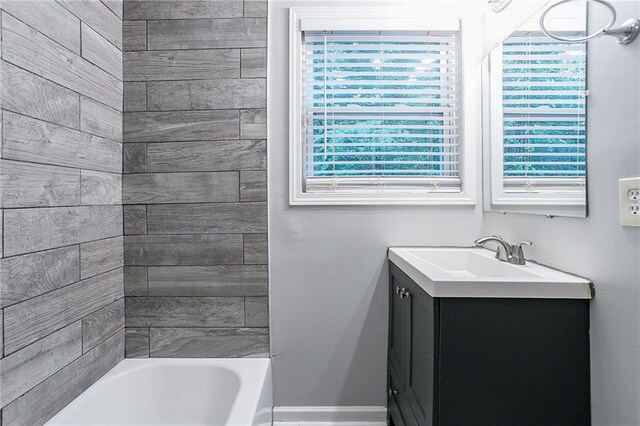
{"x": 381, "y": 109}
{"x": 544, "y": 110}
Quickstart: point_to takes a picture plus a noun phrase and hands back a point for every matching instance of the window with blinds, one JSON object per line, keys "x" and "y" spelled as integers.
{"x": 381, "y": 109}
{"x": 544, "y": 111}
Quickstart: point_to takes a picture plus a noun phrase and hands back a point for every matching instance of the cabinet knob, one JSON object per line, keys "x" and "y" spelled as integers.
{"x": 393, "y": 392}
{"x": 404, "y": 293}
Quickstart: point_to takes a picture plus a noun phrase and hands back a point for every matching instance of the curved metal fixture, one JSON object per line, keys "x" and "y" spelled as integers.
{"x": 499, "y": 5}
{"x": 625, "y": 34}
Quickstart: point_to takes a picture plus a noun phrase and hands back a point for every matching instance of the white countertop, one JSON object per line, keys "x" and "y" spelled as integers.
{"x": 474, "y": 272}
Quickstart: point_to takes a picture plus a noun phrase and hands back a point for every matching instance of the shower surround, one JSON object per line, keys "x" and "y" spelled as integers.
{"x": 61, "y": 272}
{"x": 157, "y": 214}
{"x": 194, "y": 184}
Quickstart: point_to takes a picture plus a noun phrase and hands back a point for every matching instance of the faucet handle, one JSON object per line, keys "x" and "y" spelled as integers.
{"x": 518, "y": 253}
{"x": 519, "y": 245}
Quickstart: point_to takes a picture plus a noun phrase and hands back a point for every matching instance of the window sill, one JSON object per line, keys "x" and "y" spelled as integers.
{"x": 381, "y": 199}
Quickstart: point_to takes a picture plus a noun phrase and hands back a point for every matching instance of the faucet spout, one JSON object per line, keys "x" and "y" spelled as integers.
{"x": 505, "y": 250}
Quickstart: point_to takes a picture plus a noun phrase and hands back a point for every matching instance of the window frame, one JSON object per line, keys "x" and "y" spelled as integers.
{"x": 354, "y": 19}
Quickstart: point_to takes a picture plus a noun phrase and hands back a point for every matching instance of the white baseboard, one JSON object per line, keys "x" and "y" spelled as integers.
{"x": 330, "y": 416}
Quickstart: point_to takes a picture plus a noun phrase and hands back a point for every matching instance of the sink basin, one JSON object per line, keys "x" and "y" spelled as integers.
{"x": 475, "y": 272}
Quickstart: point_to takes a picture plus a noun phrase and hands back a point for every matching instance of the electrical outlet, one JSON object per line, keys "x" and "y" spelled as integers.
{"x": 630, "y": 201}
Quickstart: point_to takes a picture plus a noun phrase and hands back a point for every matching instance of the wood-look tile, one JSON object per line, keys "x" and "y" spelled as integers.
{"x": 34, "y": 52}
{"x": 181, "y": 126}
{"x": 99, "y": 17}
{"x": 24, "y": 369}
{"x": 184, "y": 311}
{"x": 31, "y": 275}
{"x": 181, "y": 64}
{"x": 135, "y": 96}
{"x": 134, "y": 158}
{"x": 207, "y": 156}
{"x": 253, "y": 63}
{"x": 135, "y": 219}
{"x": 38, "y": 185}
{"x": 97, "y": 257}
{"x": 256, "y": 311}
{"x": 208, "y": 280}
{"x": 206, "y": 94}
{"x": 255, "y": 8}
{"x": 209, "y": 342}
{"x": 100, "y": 120}
{"x": 255, "y": 249}
{"x": 217, "y": 249}
{"x": 33, "y": 319}
{"x": 253, "y": 186}
{"x": 116, "y": 6}
{"x": 49, "y": 18}
{"x": 253, "y": 124}
{"x": 207, "y": 218}
{"x": 28, "y": 230}
{"x": 136, "y": 343}
{"x": 135, "y": 280}
{"x": 101, "y": 324}
{"x": 45, "y": 400}
{"x": 135, "y": 35}
{"x": 207, "y": 33}
{"x": 28, "y": 139}
{"x": 175, "y": 9}
{"x": 97, "y": 50}
{"x": 32, "y": 95}
{"x": 1, "y": 343}
{"x": 162, "y": 188}
{"x": 100, "y": 188}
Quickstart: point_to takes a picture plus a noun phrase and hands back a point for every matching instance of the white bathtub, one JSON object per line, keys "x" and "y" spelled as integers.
{"x": 184, "y": 392}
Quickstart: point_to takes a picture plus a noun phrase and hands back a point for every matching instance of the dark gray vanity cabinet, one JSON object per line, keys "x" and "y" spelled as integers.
{"x": 486, "y": 361}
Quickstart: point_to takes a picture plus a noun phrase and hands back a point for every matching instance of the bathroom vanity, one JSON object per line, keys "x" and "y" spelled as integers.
{"x": 477, "y": 341}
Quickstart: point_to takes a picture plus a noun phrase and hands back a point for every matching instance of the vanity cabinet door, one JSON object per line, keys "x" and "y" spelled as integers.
{"x": 412, "y": 334}
{"x": 421, "y": 368}
{"x": 398, "y": 323}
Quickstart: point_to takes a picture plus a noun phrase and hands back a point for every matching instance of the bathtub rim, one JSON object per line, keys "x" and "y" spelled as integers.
{"x": 255, "y": 390}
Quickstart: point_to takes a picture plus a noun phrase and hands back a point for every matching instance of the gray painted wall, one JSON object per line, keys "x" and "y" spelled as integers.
{"x": 61, "y": 276}
{"x": 328, "y": 272}
{"x": 194, "y": 185}
{"x": 598, "y": 247}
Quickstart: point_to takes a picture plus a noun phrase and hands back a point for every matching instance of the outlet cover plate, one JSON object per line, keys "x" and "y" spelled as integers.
{"x": 629, "y": 201}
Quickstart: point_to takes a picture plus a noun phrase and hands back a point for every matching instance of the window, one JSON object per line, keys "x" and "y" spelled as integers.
{"x": 377, "y": 114}
{"x": 544, "y": 112}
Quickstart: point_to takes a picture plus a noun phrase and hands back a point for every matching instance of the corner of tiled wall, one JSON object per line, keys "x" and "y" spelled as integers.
{"x": 194, "y": 184}
{"x": 61, "y": 271}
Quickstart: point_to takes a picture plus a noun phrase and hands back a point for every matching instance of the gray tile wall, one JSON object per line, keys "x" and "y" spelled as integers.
{"x": 62, "y": 253}
{"x": 194, "y": 183}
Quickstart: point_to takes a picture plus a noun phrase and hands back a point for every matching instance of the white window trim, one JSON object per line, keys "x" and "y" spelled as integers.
{"x": 566, "y": 195}
{"x": 387, "y": 19}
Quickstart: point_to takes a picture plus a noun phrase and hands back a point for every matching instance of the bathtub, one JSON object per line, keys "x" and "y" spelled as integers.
{"x": 176, "y": 392}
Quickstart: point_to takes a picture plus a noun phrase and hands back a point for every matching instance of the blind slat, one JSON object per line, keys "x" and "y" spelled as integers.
{"x": 394, "y": 144}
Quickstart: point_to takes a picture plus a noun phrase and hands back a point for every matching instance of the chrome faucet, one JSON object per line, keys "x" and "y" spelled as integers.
{"x": 506, "y": 252}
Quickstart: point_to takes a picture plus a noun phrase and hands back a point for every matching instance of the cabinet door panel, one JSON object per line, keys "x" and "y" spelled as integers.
{"x": 421, "y": 364}
{"x": 398, "y": 319}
